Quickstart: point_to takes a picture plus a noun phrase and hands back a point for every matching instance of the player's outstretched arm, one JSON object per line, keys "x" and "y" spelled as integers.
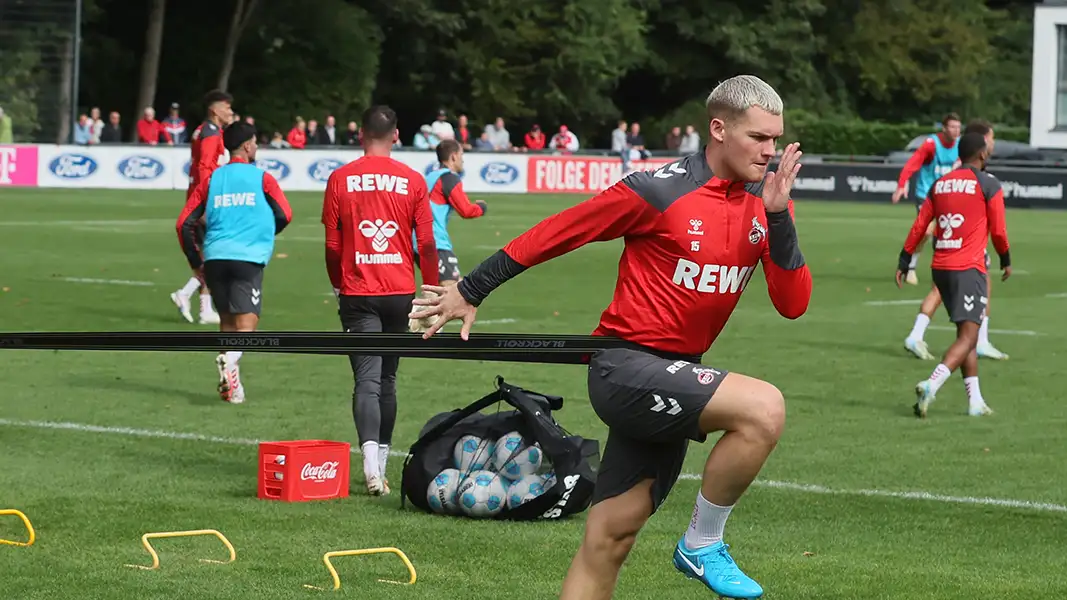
{"x": 452, "y": 188}
{"x": 423, "y": 227}
{"x": 918, "y": 231}
{"x": 921, "y": 156}
{"x": 186, "y": 225}
{"x": 615, "y": 212}
{"x": 279, "y": 205}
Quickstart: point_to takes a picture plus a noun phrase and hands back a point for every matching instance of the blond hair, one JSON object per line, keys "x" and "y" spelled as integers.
{"x": 731, "y": 98}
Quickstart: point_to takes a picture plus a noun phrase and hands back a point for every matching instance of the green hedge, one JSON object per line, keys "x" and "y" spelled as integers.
{"x": 866, "y": 138}
{"x": 823, "y": 135}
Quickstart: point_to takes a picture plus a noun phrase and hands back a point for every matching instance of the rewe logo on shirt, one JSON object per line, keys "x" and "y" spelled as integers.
{"x": 241, "y": 199}
{"x": 955, "y": 186}
{"x": 711, "y": 279}
{"x": 377, "y": 182}
{"x": 379, "y": 232}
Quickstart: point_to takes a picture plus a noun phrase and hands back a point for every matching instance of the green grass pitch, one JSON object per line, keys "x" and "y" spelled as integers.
{"x": 860, "y": 499}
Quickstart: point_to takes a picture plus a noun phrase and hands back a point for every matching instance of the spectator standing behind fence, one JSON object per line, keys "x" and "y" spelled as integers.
{"x": 277, "y": 141}
{"x": 499, "y": 136}
{"x": 83, "y": 130}
{"x": 150, "y": 131}
{"x": 312, "y": 136}
{"x": 328, "y": 133}
{"x": 6, "y": 136}
{"x": 96, "y": 124}
{"x": 534, "y": 139}
{"x": 482, "y": 144}
{"x": 674, "y": 140}
{"x": 441, "y": 128}
{"x": 690, "y": 142}
{"x": 297, "y": 137}
{"x": 636, "y": 142}
{"x": 175, "y": 124}
{"x": 463, "y": 133}
{"x": 352, "y": 134}
{"x": 619, "y": 145}
{"x": 112, "y": 131}
{"x": 425, "y": 139}
{"x": 565, "y": 141}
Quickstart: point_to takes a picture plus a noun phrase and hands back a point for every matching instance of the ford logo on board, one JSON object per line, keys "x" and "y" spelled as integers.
{"x": 72, "y": 166}
{"x": 275, "y": 167}
{"x": 140, "y": 168}
{"x": 320, "y": 169}
{"x": 499, "y": 173}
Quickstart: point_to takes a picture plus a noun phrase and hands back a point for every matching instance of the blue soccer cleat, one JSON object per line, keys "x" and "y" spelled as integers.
{"x": 715, "y": 568}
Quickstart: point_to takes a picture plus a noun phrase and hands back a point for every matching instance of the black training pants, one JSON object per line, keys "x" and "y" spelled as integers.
{"x": 374, "y": 393}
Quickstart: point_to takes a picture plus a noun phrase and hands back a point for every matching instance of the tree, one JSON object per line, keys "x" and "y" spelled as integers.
{"x": 146, "y": 95}
{"x": 242, "y": 14}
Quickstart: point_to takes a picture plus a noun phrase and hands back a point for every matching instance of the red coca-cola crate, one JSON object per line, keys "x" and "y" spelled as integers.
{"x": 302, "y": 470}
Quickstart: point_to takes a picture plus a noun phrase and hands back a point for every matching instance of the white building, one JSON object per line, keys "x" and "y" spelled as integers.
{"x": 1048, "y": 91}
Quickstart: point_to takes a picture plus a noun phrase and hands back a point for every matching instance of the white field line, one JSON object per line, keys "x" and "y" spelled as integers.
{"x": 892, "y": 302}
{"x": 782, "y": 485}
{"x": 107, "y": 281}
{"x": 1063, "y": 295}
{"x": 996, "y": 331}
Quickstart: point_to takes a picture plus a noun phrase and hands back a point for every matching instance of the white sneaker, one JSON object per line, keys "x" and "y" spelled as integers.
{"x": 184, "y": 307}
{"x": 918, "y": 348}
{"x": 375, "y": 485}
{"x": 986, "y": 350}
{"x": 230, "y": 388}
{"x": 980, "y": 410}
{"x": 209, "y": 317}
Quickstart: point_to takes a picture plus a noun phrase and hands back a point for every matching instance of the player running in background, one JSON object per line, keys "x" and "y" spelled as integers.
{"x": 207, "y": 151}
{"x": 447, "y": 196}
{"x": 967, "y": 208}
{"x": 915, "y": 342}
{"x": 243, "y": 209}
{"x": 936, "y": 156}
{"x": 694, "y": 232}
{"x": 369, "y": 210}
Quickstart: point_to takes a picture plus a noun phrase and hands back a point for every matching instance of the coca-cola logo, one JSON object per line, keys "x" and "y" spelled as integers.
{"x": 319, "y": 473}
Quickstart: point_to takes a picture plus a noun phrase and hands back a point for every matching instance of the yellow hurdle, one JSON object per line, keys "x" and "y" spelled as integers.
{"x": 337, "y": 580}
{"x": 25, "y": 521}
{"x": 170, "y": 534}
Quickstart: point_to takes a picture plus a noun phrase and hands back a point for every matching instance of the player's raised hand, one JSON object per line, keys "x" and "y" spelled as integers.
{"x": 448, "y": 304}
{"x": 779, "y": 184}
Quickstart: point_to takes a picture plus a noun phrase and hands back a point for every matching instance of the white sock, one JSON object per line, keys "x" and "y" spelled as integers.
{"x": 383, "y": 457}
{"x": 914, "y": 261}
{"x": 232, "y": 358}
{"x": 939, "y": 377}
{"x": 205, "y": 303}
{"x": 370, "y": 460}
{"x": 974, "y": 394}
{"x": 919, "y": 329}
{"x": 707, "y": 523}
{"x": 190, "y": 286}
{"x": 983, "y": 331}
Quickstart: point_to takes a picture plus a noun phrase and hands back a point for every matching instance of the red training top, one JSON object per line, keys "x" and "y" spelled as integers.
{"x": 207, "y": 152}
{"x": 370, "y": 208}
{"x": 968, "y": 206}
{"x": 692, "y": 243}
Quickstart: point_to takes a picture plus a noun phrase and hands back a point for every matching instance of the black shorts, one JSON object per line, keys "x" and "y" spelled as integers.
{"x": 236, "y": 286}
{"x": 652, "y": 408}
{"x": 375, "y": 314}
{"x": 447, "y": 265}
{"x": 963, "y": 293}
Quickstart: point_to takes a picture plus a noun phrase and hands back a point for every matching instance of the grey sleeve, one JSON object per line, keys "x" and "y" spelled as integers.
{"x": 990, "y": 185}
{"x": 781, "y": 234}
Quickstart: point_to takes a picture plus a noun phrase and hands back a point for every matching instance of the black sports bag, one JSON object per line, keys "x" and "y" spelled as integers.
{"x": 566, "y": 469}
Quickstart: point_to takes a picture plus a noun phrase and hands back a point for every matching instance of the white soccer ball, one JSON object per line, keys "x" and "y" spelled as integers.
{"x": 482, "y": 494}
{"x": 472, "y": 453}
{"x": 514, "y": 459}
{"x": 525, "y": 489}
{"x": 441, "y": 493}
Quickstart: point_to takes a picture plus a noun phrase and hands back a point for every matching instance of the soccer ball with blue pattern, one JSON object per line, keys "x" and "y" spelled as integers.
{"x": 482, "y": 494}
{"x": 442, "y": 491}
{"x": 472, "y": 453}
{"x": 514, "y": 459}
{"x": 525, "y": 489}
